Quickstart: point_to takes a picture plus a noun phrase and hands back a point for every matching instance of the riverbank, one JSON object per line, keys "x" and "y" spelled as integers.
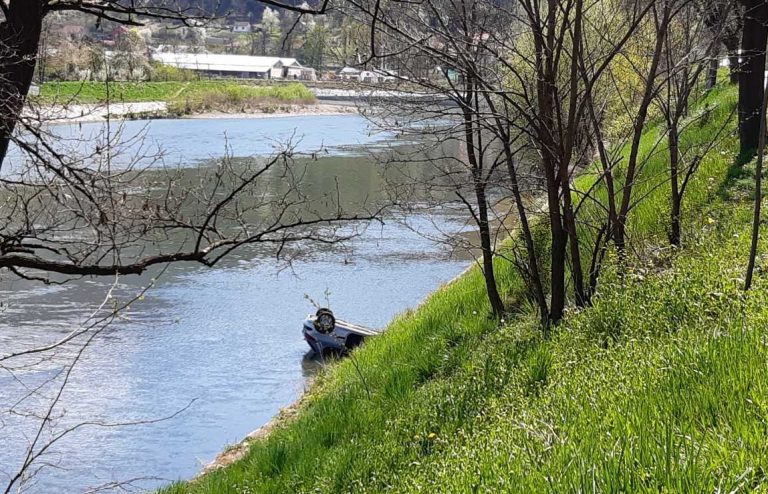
{"x": 98, "y": 101}
{"x": 96, "y": 92}
{"x": 653, "y": 388}
{"x": 227, "y": 338}
{"x": 154, "y": 110}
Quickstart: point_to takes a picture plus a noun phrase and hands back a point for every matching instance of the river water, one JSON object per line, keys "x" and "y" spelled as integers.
{"x": 221, "y": 346}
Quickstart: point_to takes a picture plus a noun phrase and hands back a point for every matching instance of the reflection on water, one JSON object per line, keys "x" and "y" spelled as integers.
{"x": 189, "y": 141}
{"x": 227, "y": 340}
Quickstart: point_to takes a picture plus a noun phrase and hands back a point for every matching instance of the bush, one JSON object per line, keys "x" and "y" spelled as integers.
{"x": 230, "y": 97}
{"x": 167, "y": 73}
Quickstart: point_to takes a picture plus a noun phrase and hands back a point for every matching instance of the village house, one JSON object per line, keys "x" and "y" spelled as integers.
{"x": 349, "y": 74}
{"x": 374, "y": 76}
{"x": 242, "y": 27}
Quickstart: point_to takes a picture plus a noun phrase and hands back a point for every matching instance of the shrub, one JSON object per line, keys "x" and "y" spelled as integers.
{"x": 230, "y": 97}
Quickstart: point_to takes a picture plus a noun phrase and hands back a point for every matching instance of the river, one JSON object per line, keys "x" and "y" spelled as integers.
{"x": 220, "y": 346}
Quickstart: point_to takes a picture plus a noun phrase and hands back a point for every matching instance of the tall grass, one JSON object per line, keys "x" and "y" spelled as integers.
{"x": 648, "y": 220}
{"x": 661, "y": 386}
{"x": 238, "y": 98}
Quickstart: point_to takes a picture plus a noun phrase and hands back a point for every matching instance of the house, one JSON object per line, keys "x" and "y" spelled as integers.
{"x": 300, "y": 73}
{"x": 374, "y": 76}
{"x": 242, "y": 27}
{"x": 239, "y": 66}
{"x": 349, "y": 74}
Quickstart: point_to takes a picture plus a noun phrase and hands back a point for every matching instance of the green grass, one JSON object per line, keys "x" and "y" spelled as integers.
{"x": 192, "y": 95}
{"x": 99, "y": 92}
{"x": 661, "y": 386}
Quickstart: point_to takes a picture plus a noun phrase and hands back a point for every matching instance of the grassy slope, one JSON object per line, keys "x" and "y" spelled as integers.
{"x": 172, "y": 92}
{"x": 661, "y": 386}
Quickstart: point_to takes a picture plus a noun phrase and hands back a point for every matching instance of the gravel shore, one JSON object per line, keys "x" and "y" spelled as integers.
{"x": 159, "y": 109}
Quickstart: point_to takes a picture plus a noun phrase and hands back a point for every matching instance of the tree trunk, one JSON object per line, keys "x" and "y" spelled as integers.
{"x": 559, "y": 244}
{"x": 486, "y": 243}
{"x": 525, "y": 227}
{"x": 752, "y": 75}
{"x": 559, "y": 234}
{"x": 734, "y": 66}
{"x": 522, "y": 214}
{"x": 557, "y": 275}
{"x": 530, "y": 247}
{"x": 569, "y": 220}
{"x": 758, "y": 194}
{"x": 474, "y": 150}
{"x": 598, "y": 251}
{"x": 574, "y": 124}
{"x": 674, "y": 172}
{"x": 20, "y": 38}
{"x": 546, "y": 77}
{"x": 712, "y": 73}
{"x": 732, "y": 43}
{"x": 619, "y": 232}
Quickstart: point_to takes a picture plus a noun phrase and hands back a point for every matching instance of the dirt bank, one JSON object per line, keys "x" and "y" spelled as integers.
{"x": 159, "y": 109}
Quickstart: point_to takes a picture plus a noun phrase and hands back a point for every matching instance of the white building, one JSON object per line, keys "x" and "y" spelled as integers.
{"x": 349, "y": 74}
{"x": 241, "y": 27}
{"x": 240, "y": 66}
{"x": 375, "y": 76}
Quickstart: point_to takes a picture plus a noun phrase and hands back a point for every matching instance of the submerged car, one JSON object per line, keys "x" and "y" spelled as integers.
{"x": 325, "y": 334}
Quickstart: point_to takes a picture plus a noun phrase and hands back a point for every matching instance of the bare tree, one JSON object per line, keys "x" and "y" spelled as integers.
{"x": 758, "y": 201}
{"x": 472, "y": 146}
{"x": 40, "y": 403}
{"x": 535, "y": 90}
{"x": 685, "y": 58}
{"x": 457, "y": 162}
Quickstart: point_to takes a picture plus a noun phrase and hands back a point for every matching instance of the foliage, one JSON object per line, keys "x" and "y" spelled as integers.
{"x": 131, "y": 59}
{"x": 315, "y": 46}
{"x": 168, "y": 73}
{"x": 235, "y": 97}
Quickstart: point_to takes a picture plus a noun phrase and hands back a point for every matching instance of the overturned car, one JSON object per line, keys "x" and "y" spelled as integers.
{"x": 325, "y": 334}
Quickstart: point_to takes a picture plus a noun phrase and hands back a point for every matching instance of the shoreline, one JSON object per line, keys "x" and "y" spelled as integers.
{"x": 235, "y": 452}
{"x": 158, "y": 110}
{"x": 321, "y": 109}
